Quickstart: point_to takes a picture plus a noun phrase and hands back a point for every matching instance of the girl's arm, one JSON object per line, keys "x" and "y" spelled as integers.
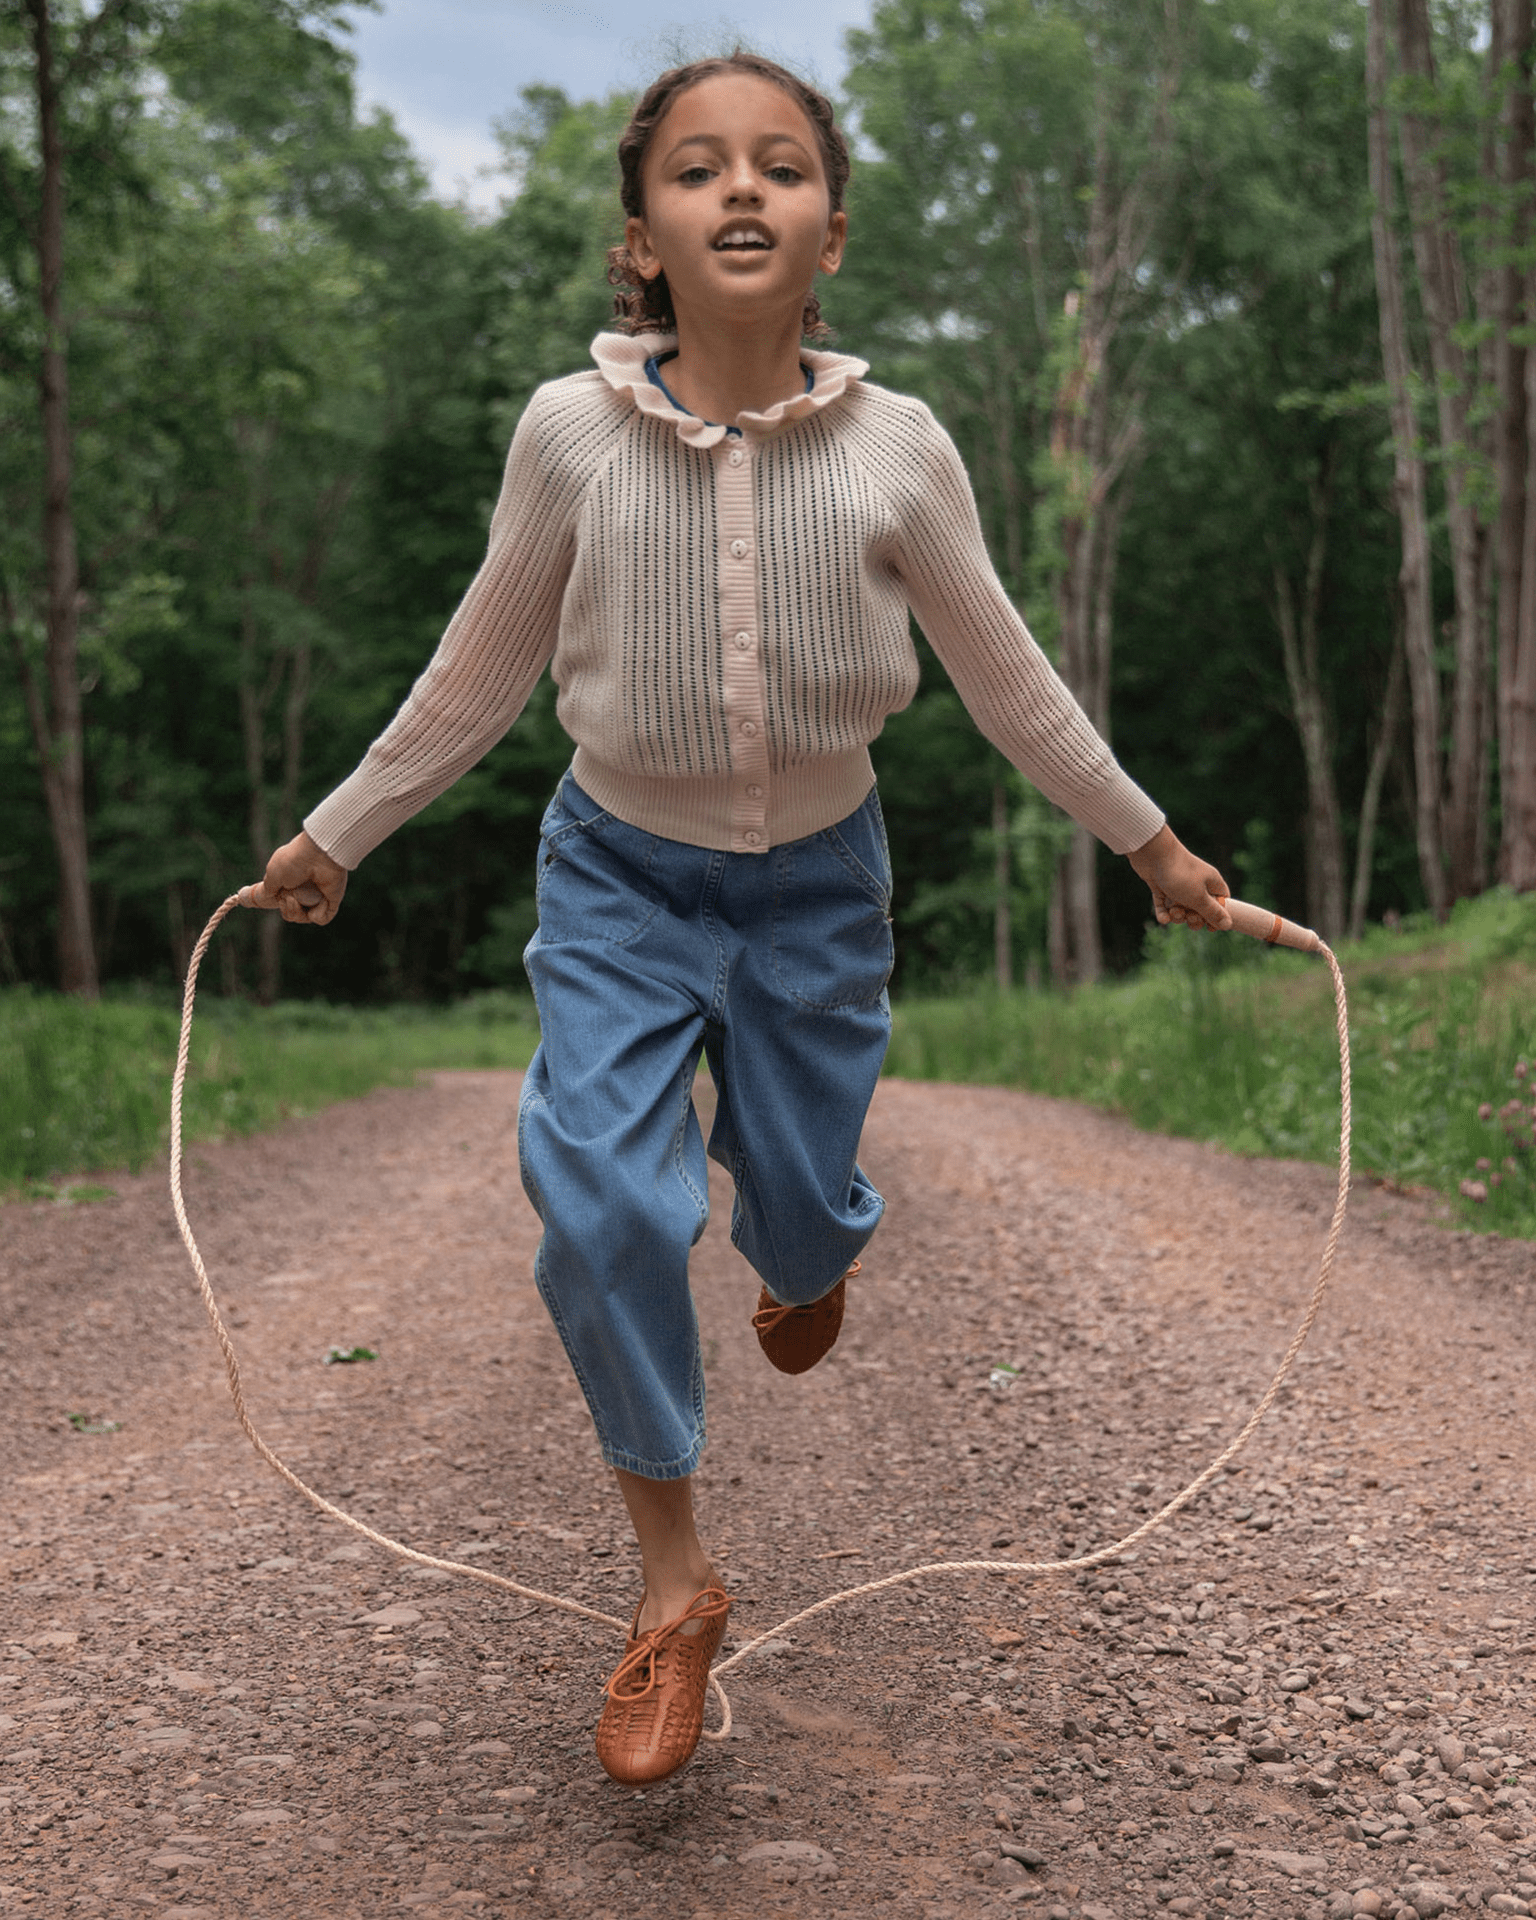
{"x": 1012, "y": 691}
{"x": 302, "y": 882}
{"x": 475, "y": 685}
{"x": 1185, "y": 890}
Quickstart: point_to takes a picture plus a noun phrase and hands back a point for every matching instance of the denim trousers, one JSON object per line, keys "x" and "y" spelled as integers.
{"x": 649, "y": 951}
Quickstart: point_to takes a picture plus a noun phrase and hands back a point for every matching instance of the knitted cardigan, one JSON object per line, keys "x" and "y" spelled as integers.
{"x": 725, "y": 614}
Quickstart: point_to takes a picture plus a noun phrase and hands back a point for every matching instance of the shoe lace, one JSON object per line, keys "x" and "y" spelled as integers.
{"x": 770, "y": 1319}
{"x": 639, "y": 1663}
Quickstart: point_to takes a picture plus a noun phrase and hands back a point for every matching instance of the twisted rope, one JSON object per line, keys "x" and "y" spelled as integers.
{"x": 1077, "y": 1564}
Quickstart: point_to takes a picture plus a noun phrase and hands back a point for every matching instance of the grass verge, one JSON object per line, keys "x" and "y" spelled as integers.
{"x": 1225, "y": 1040}
{"x": 86, "y": 1087}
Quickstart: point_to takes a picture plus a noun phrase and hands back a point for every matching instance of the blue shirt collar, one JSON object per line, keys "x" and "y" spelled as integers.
{"x": 653, "y": 368}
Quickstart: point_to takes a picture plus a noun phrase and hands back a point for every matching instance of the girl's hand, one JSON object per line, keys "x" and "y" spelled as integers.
{"x": 303, "y": 883}
{"x": 1185, "y": 891}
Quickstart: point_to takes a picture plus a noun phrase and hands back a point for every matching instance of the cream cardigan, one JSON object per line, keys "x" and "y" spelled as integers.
{"x": 725, "y": 613}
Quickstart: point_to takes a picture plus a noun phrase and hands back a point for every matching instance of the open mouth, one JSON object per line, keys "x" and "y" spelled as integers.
{"x": 742, "y": 240}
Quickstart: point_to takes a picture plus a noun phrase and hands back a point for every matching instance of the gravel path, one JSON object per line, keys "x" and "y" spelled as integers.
{"x": 1309, "y": 1697}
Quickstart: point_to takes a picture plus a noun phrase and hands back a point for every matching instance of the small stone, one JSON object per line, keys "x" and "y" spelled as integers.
{"x": 1358, "y": 1709}
{"x": 1007, "y": 1873}
{"x": 1026, "y": 1856}
{"x": 612, "y": 1853}
{"x": 1296, "y": 1681}
{"x": 392, "y": 1616}
{"x": 188, "y": 1682}
{"x": 1369, "y": 1903}
{"x": 1507, "y": 1903}
{"x": 1428, "y": 1903}
{"x": 785, "y": 1852}
{"x": 1075, "y": 1805}
{"x": 263, "y": 1817}
{"x": 1450, "y": 1751}
{"x": 1297, "y": 1865}
{"x": 426, "y": 1729}
{"x": 173, "y": 1861}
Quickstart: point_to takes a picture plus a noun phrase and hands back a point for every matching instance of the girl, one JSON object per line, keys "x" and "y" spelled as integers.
{"x": 714, "y": 540}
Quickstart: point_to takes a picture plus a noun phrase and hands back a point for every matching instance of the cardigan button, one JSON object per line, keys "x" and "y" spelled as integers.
{"x": 737, "y": 456}
{"x": 753, "y": 839}
{"x": 754, "y": 793}
{"x": 744, "y": 641}
{"x": 749, "y": 729}
{"x": 739, "y": 549}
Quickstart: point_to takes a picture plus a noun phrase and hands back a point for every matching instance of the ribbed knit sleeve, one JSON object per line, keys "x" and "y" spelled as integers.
{"x": 494, "y": 648}
{"x": 1009, "y": 687}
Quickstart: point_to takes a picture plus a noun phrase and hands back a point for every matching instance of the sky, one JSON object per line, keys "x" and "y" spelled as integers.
{"x": 447, "y": 68}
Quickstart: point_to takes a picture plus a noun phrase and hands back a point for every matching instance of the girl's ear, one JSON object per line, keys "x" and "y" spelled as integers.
{"x": 644, "y": 255}
{"x": 832, "y": 249}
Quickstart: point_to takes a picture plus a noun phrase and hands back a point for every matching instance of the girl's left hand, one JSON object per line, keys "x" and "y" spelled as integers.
{"x": 1185, "y": 891}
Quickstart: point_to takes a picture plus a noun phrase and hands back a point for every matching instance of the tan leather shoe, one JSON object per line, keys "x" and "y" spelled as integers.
{"x": 655, "y": 1710}
{"x": 795, "y": 1338}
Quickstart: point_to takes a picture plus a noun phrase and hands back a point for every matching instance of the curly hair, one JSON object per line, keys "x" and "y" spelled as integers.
{"x": 645, "y": 306}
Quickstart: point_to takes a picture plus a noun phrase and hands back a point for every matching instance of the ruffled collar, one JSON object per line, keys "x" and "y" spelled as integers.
{"x": 621, "y": 359}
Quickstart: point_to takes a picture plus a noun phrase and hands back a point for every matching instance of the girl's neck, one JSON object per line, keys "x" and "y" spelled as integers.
{"x": 721, "y": 371}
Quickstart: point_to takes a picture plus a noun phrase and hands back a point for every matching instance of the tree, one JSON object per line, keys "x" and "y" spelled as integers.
{"x": 66, "y": 145}
{"x": 1414, "y": 580}
{"x": 1512, "y": 307}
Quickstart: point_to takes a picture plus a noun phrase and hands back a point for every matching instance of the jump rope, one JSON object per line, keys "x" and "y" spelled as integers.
{"x": 1256, "y": 921}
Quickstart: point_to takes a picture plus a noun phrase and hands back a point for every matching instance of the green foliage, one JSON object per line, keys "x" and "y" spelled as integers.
{"x": 295, "y": 376}
{"x": 1225, "y": 1040}
{"x": 86, "y": 1087}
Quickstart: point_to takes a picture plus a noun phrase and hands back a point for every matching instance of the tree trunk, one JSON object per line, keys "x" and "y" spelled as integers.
{"x": 1520, "y": 769}
{"x": 1058, "y": 953}
{"x": 1370, "y": 799}
{"x": 1309, "y": 706}
{"x": 254, "y": 701}
{"x": 1443, "y": 296}
{"x": 1002, "y": 880}
{"x": 1408, "y": 479}
{"x": 63, "y": 752}
{"x": 1092, "y": 476}
{"x": 1513, "y": 306}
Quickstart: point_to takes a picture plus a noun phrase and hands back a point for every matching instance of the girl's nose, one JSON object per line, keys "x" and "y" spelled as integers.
{"x": 743, "y": 188}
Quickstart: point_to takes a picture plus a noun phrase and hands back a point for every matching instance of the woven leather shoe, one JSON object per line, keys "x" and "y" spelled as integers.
{"x": 795, "y": 1338}
{"x": 655, "y": 1709}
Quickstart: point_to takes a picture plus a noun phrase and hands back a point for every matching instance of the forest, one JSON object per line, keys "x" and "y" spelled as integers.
{"x": 1227, "y": 303}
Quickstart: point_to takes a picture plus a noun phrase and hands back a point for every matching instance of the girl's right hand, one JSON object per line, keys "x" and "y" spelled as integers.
{"x": 302, "y": 882}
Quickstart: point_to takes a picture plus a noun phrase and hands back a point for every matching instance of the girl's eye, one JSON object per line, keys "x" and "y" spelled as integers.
{"x": 698, "y": 174}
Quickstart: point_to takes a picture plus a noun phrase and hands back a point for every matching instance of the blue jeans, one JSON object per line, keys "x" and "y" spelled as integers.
{"x": 647, "y": 950}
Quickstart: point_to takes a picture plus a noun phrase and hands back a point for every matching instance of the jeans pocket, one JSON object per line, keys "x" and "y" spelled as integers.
{"x": 832, "y": 944}
{"x": 594, "y": 875}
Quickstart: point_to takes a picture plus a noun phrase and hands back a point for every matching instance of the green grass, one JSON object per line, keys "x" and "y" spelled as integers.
{"x": 89, "y": 1087}
{"x": 1216, "y": 1038}
{"x": 1223, "y": 1039}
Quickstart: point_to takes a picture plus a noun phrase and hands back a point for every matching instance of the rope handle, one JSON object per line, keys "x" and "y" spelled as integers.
{"x": 1257, "y": 921}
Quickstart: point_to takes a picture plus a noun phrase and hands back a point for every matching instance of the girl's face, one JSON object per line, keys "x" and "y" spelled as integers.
{"x": 736, "y": 207}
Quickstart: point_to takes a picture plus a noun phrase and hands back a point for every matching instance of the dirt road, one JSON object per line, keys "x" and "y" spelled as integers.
{"x": 1311, "y": 1697}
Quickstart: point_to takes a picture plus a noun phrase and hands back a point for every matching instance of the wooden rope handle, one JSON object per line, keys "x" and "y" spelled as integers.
{"x": 1271, "y": 928}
